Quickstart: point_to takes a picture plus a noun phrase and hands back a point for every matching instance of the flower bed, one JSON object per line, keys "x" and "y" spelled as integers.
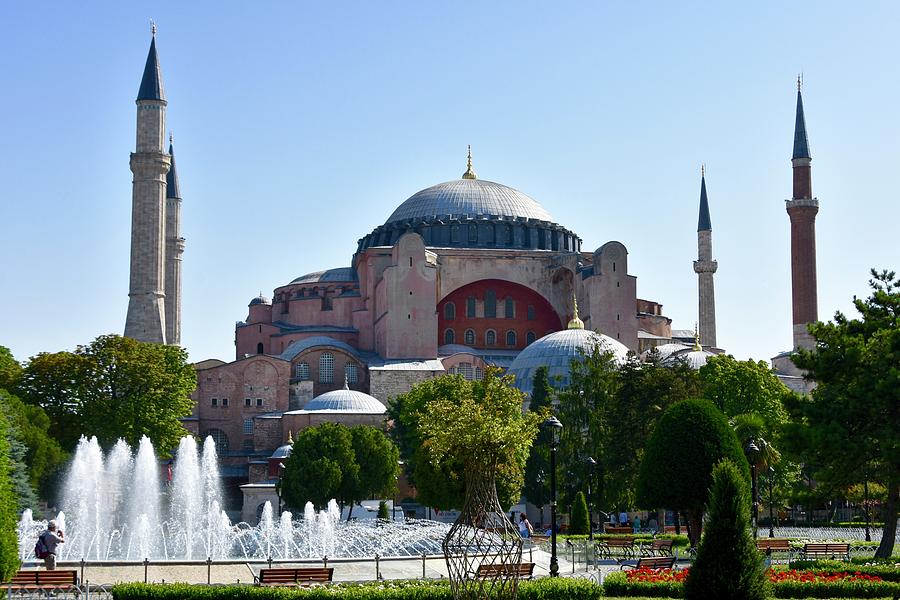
{"x": 886, "y": 570}
{"x": 669, "y": 583}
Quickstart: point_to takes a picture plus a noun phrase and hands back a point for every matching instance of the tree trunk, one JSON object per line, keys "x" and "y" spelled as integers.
{"x": 886, "y": 547}
{"x": 350, "y": 511}
{"x": 695, "y": 523}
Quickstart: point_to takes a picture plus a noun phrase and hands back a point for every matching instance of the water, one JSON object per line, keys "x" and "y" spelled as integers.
{"x": 115, "y": 507}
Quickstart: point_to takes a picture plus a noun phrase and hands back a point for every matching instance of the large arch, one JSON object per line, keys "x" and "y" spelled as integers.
{"x": 492, "y": 298}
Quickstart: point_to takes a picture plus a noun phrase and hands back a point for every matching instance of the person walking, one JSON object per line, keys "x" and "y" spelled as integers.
{"x": 49, "y": 539}
{"x": 525, "y": 528}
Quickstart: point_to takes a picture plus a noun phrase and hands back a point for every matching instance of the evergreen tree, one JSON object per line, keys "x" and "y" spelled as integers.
{"x": 9, "y": 542}
{"x": 383, "y": 511}
{"x": 537, "y": 469}
{"x": 728, "y": 565}
{"x": 579, "y": 521}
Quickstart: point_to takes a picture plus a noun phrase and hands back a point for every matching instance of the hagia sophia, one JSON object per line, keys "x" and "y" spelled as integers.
{"x": 460, "y": 276}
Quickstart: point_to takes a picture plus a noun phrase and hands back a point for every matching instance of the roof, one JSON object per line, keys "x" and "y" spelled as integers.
{"x": 557, "y": 351}
{"x": 704, "y": 223}
{"x": 666, "y": 350}
{"x": 376, "y": 363}
{"x": 259, "y": 300}
{"x": 801, "y": 142}
{"x": 693, "y": 358}
{"x": 303, "y": 345}
{"x": 343, "y": 401}
{"x": 329, "y": 275}
{"x": 151, "y": 82}
{"x": 469, "y": 197}
{"x": 172, "y": 188}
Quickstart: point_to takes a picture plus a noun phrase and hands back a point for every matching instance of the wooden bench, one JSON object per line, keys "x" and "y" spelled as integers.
{"x": 623, "y": 546}
{"x": 34, "y": 580}
{"x": 657, "y": 548}
{"x": 524, "y": 570}
{"x": 613, "y": 529}
{"x": 826, "y": 551}
{"x": 651, "y": 562}
{"x": 301, "y": 576}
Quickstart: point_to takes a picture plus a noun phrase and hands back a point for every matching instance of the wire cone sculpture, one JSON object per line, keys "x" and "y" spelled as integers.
{"x": 483, "y": 549}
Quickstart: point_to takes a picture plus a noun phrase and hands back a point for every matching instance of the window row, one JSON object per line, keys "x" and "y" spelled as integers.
{"x": 490, "y": 337}
{"x": 490, "y": 308}
{"x": 224, "y": 402}
{"x": 467, "y": 370}
{"x": 326, "y": 370}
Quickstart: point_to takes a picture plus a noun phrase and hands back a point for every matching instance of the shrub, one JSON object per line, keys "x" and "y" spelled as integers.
{"x": 9, "y": 542}
{"x": 578, "y": 517}
{"x": 383, "y": 511}
{"x": 728, "y": 563}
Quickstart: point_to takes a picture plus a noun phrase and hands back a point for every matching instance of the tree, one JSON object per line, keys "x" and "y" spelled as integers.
{"x": 115, "y": 387}
{"x": 9, "y": 542}
{"x": 537, "y": 468}
{"x": 322, "y": 466}
{"x": 728, "y": 564}
{"x": 377, "y": 459}
{"x": 690, "y": 438}
{"x": 43, "y": 454}
{"x": 383, "y": 513}
{"x": 10, "y": 369}
{"x": 579, "y": 519}
{"x": 848, "y": 426}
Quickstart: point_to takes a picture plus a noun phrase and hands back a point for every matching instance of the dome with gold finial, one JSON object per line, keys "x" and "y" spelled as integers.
{"x": 693, "y": 356}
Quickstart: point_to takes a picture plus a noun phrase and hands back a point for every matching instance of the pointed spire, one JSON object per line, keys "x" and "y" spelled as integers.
{"x": 470, "y": 172}
{"x": 575, "y": 323}
{"x": 290, "y": 438}
{"x": 697, "y": 346}
{"x": 704, "y": 223}
{"x": 172, "y": 189}
{"x": 801, "y": 142}
{"x": 151, "y": 83}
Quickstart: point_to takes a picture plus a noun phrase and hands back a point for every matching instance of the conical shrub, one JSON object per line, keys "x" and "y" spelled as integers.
{"x": 728, "y": 565}
{"x": 578, "y": 517}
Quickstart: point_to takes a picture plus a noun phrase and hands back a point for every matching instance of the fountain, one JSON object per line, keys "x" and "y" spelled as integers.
{"x": 114, "y": 508}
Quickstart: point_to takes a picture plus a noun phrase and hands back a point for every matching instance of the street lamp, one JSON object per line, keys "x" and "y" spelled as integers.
{"x": 752, "y": 450}
{"x": 554, "y": 427}
{"x": 866, "y": 505}
{"x": 278, "y": 487}
{"x": 591, "y": 463}
{"x": 771, "y": 502}
{"x": 541, "y": 478}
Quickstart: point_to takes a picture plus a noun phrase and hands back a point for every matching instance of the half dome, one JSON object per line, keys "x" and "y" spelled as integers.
{"x": 347, "y": 401}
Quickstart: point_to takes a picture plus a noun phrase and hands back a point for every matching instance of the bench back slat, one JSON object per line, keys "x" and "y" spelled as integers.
{"x": 296, "y": 575}
{"x": 525, "y": 569}
{"x": 36, "y": 577}
{"x": 656, "y": 562}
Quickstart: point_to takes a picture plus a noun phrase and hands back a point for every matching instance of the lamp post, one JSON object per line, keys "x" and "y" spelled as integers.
{"x": 591, "y": 463}
{"x": 278, "y": 487}
{"x": 771, "y": 502}
{"x": 541, "y": 478}
{"x": 554, "y": 427}
{"x": 752, "y": 450}
{"x": 866, "y": 505}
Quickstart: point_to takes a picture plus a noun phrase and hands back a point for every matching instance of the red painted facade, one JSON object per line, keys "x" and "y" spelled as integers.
{"x": 531, "y": 314}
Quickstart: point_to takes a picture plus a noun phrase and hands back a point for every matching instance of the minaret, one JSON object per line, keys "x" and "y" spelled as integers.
{"x": 146, "y": 320}
{"x": 802, "y": 209}
{"x": 174, "y": 250}
{"x": 705, "y": 267}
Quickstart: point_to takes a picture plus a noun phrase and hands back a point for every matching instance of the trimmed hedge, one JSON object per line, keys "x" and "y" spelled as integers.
{"x": 617, "y": 584}
{"x": 540, "y": 589}
{"x": 639, "y": 538}
{"x": 888, "y": 572}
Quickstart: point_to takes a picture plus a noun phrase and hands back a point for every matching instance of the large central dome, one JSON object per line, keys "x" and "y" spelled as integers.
{"x": 469, "y": 197}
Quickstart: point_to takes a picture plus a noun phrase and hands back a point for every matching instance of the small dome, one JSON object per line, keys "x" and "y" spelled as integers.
{"x": 469, "y": 197}
{"x": 665, "y": 350}
{"x": 260, "y": 300}
{"x": 692, "y": 357}
{"x": 556, "y": 351}
{"x": 283, "y": 451}
{"x": 345, "y": 400}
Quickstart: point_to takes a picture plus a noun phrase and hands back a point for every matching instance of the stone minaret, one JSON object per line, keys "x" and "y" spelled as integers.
{"x": 146, "y": 320}
{"x": 802, "y": 209}
{"x": 705, "y": 267}
{"x": 174, "y": 250}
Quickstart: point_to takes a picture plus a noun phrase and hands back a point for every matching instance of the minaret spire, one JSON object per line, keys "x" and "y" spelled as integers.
{"x": 174, "y": 251}
{"x": 802, "y": 210}
{"x": 151, "y": 83}
{"x": 705, "y": 268}
{"x": 470, "y": 172}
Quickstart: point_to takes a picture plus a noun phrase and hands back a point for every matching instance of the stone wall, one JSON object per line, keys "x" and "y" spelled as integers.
{"x": 385, "y": 384}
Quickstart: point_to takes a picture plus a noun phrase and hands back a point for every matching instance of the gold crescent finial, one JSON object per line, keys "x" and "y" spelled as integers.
{"x": 575, "y": 323}
{"x": 290, "y": 437}
{"x": 470, "y": 172}
{"x": 152, "y": 27}
{"x": 697, "y": 346}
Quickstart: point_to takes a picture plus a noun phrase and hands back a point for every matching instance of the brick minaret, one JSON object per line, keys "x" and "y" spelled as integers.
{"x": 174, "y": 250}
{"x": 146, "y": 320}
{"x": 705, "y": 267}
{"x": 802, "y": 209}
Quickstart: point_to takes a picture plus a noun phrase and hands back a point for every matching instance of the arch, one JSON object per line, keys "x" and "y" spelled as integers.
{"x": 449, "y": 337}
{"x": 490, "y": 304}
{"x": 219, "y": 437}
{"x": 470, "y": 307}
{"x": 529, "y": 338}
{"x": 326, "y": 367}
{"x": 260, "y": 348}
{"x": 469, "y": 338}
{"x": 450, "y": 311}
{"x": 490, "y": 338}
{"x": 511, "y": 338}
{"x": 509, "y": 308}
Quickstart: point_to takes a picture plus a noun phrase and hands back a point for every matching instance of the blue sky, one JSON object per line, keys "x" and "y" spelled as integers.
{"x": 300, "y": 126}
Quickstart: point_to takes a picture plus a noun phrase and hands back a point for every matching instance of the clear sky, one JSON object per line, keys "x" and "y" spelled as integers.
{"x": 300, "y": 126}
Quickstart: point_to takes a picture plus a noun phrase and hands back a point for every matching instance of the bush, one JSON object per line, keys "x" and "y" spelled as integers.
{"x": 541, "y": 589}
{"x": 728, "y": 563}
{"x": 619, "y": 583}
{"x": 383, "y": 511}
{"x": 578, "y": 517}
{"x": 886, "y": 571}
{"x": 9, "y": 542}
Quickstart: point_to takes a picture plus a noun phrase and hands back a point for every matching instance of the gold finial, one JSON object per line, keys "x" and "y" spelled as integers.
{"x": 702, "y": 170}
{"x": 290, "y": 437}
{"x": 152, "y": 27}
{"x": 697, "y": 346}
{"x": 171, "y": 138}
{"x": 470, "y": 172}
{"x": 799, "y": 81}
{"x": 575, "y": 323}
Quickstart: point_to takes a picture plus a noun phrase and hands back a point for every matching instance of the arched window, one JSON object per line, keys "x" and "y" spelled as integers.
{"x": 490, "y": 337}
{"x": 450, "y": 311}
{"x": 470, "y": 337}
{"x": 529, "y": 338}
{"x": 509, "y": 235}
{"x": 302, "y": 371}
{"x": 491, "y": 233}
{"x": 326, "y": 368}
{"x": 470, "y": 307}
{"x": 219, "y": 438}
{"x": 454, "y": 234}
{"x": 510, "y": 338}
{"x": 260, "y": 348}
{"x": 530, "y": 313}
{"x": 465, "y": 369}
{"x": 351, "y": 373}
{"x": 509, "y": 308}
{"x": 473, "y": 234}
{"x": 490, "y": 304}
{"x": 449, "y": 337}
